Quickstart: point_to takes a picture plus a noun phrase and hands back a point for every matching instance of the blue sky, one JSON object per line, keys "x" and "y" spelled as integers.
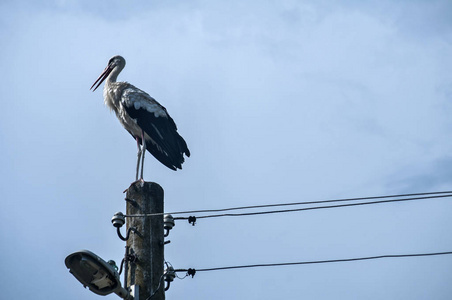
{"x": 279, "y": 101}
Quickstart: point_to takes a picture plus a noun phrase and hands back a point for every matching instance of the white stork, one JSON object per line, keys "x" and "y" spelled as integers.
{"x": 143, "y": 117}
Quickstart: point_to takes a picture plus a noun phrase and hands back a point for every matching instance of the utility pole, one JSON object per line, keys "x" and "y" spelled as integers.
{"x": 147, "y": 246}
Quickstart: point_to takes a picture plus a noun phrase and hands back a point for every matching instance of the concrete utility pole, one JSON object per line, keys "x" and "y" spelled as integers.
{"x": 147, "y": 270}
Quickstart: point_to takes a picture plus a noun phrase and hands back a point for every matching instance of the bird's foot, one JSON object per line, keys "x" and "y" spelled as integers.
{"x": 141, "y": 181}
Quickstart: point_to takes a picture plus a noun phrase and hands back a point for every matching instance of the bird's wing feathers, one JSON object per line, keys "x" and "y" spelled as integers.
{"x": 165, "y": 144}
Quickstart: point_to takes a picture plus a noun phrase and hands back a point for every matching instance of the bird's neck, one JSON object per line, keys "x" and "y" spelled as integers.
{"x": 113, "y": 75}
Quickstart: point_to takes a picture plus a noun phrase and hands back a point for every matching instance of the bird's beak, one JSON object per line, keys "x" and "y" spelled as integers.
{"x": 102, "y": 77}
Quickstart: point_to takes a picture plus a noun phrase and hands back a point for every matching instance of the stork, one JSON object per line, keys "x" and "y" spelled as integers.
{"x": 143, "y": 117}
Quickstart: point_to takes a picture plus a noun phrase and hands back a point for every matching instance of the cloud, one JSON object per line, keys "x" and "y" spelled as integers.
{"x": 434, "y": 175}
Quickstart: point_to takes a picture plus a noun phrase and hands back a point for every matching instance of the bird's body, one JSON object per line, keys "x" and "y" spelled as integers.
{"x": 143, "y": 117}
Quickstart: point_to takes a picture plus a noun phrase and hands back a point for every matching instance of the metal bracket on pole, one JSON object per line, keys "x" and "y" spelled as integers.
{"x": 118, "y": 221}
{"x": 135, "y": 292}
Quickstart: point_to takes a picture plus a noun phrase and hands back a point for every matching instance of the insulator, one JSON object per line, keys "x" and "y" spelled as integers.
{"x": 118, "y": 219}
{"x": 169, "y": 274}
{"x": 168, "y": 222}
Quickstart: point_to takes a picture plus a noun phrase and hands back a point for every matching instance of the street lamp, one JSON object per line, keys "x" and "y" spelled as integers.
{"x": 96, "y": 274}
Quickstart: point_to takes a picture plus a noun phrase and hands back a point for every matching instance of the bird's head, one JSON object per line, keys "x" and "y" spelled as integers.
{"x": 116, "y": 62}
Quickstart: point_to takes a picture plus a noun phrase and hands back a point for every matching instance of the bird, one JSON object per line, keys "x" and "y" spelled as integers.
{"x": 143, "y": 117}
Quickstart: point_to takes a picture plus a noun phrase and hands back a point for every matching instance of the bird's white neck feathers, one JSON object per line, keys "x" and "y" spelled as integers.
{"x": 114, "y": 74}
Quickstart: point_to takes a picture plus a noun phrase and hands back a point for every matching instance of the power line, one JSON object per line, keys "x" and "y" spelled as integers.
{"x": 309, "y": 208}
{"x": 192, "y": 271}
{"x": 295, "y": 203}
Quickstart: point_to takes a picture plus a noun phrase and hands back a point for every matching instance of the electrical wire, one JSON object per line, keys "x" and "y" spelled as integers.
{"x": 160, "y": 281}
{"x": 192, "y": 271}
{"x": 297, "y": 203}
{"x": 311, "y": 208}
{"x": 158, "y": 287}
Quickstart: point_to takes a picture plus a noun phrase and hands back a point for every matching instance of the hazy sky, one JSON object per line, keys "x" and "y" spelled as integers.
{"x": 279, "y": 101}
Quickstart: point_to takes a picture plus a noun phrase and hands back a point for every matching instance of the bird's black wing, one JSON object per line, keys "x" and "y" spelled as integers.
{"x": 162, "y": 140}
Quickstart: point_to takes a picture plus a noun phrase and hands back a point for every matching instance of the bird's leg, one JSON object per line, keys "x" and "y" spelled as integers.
{"x": 143, "y": 149}
{"x": 138, "y": 158}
